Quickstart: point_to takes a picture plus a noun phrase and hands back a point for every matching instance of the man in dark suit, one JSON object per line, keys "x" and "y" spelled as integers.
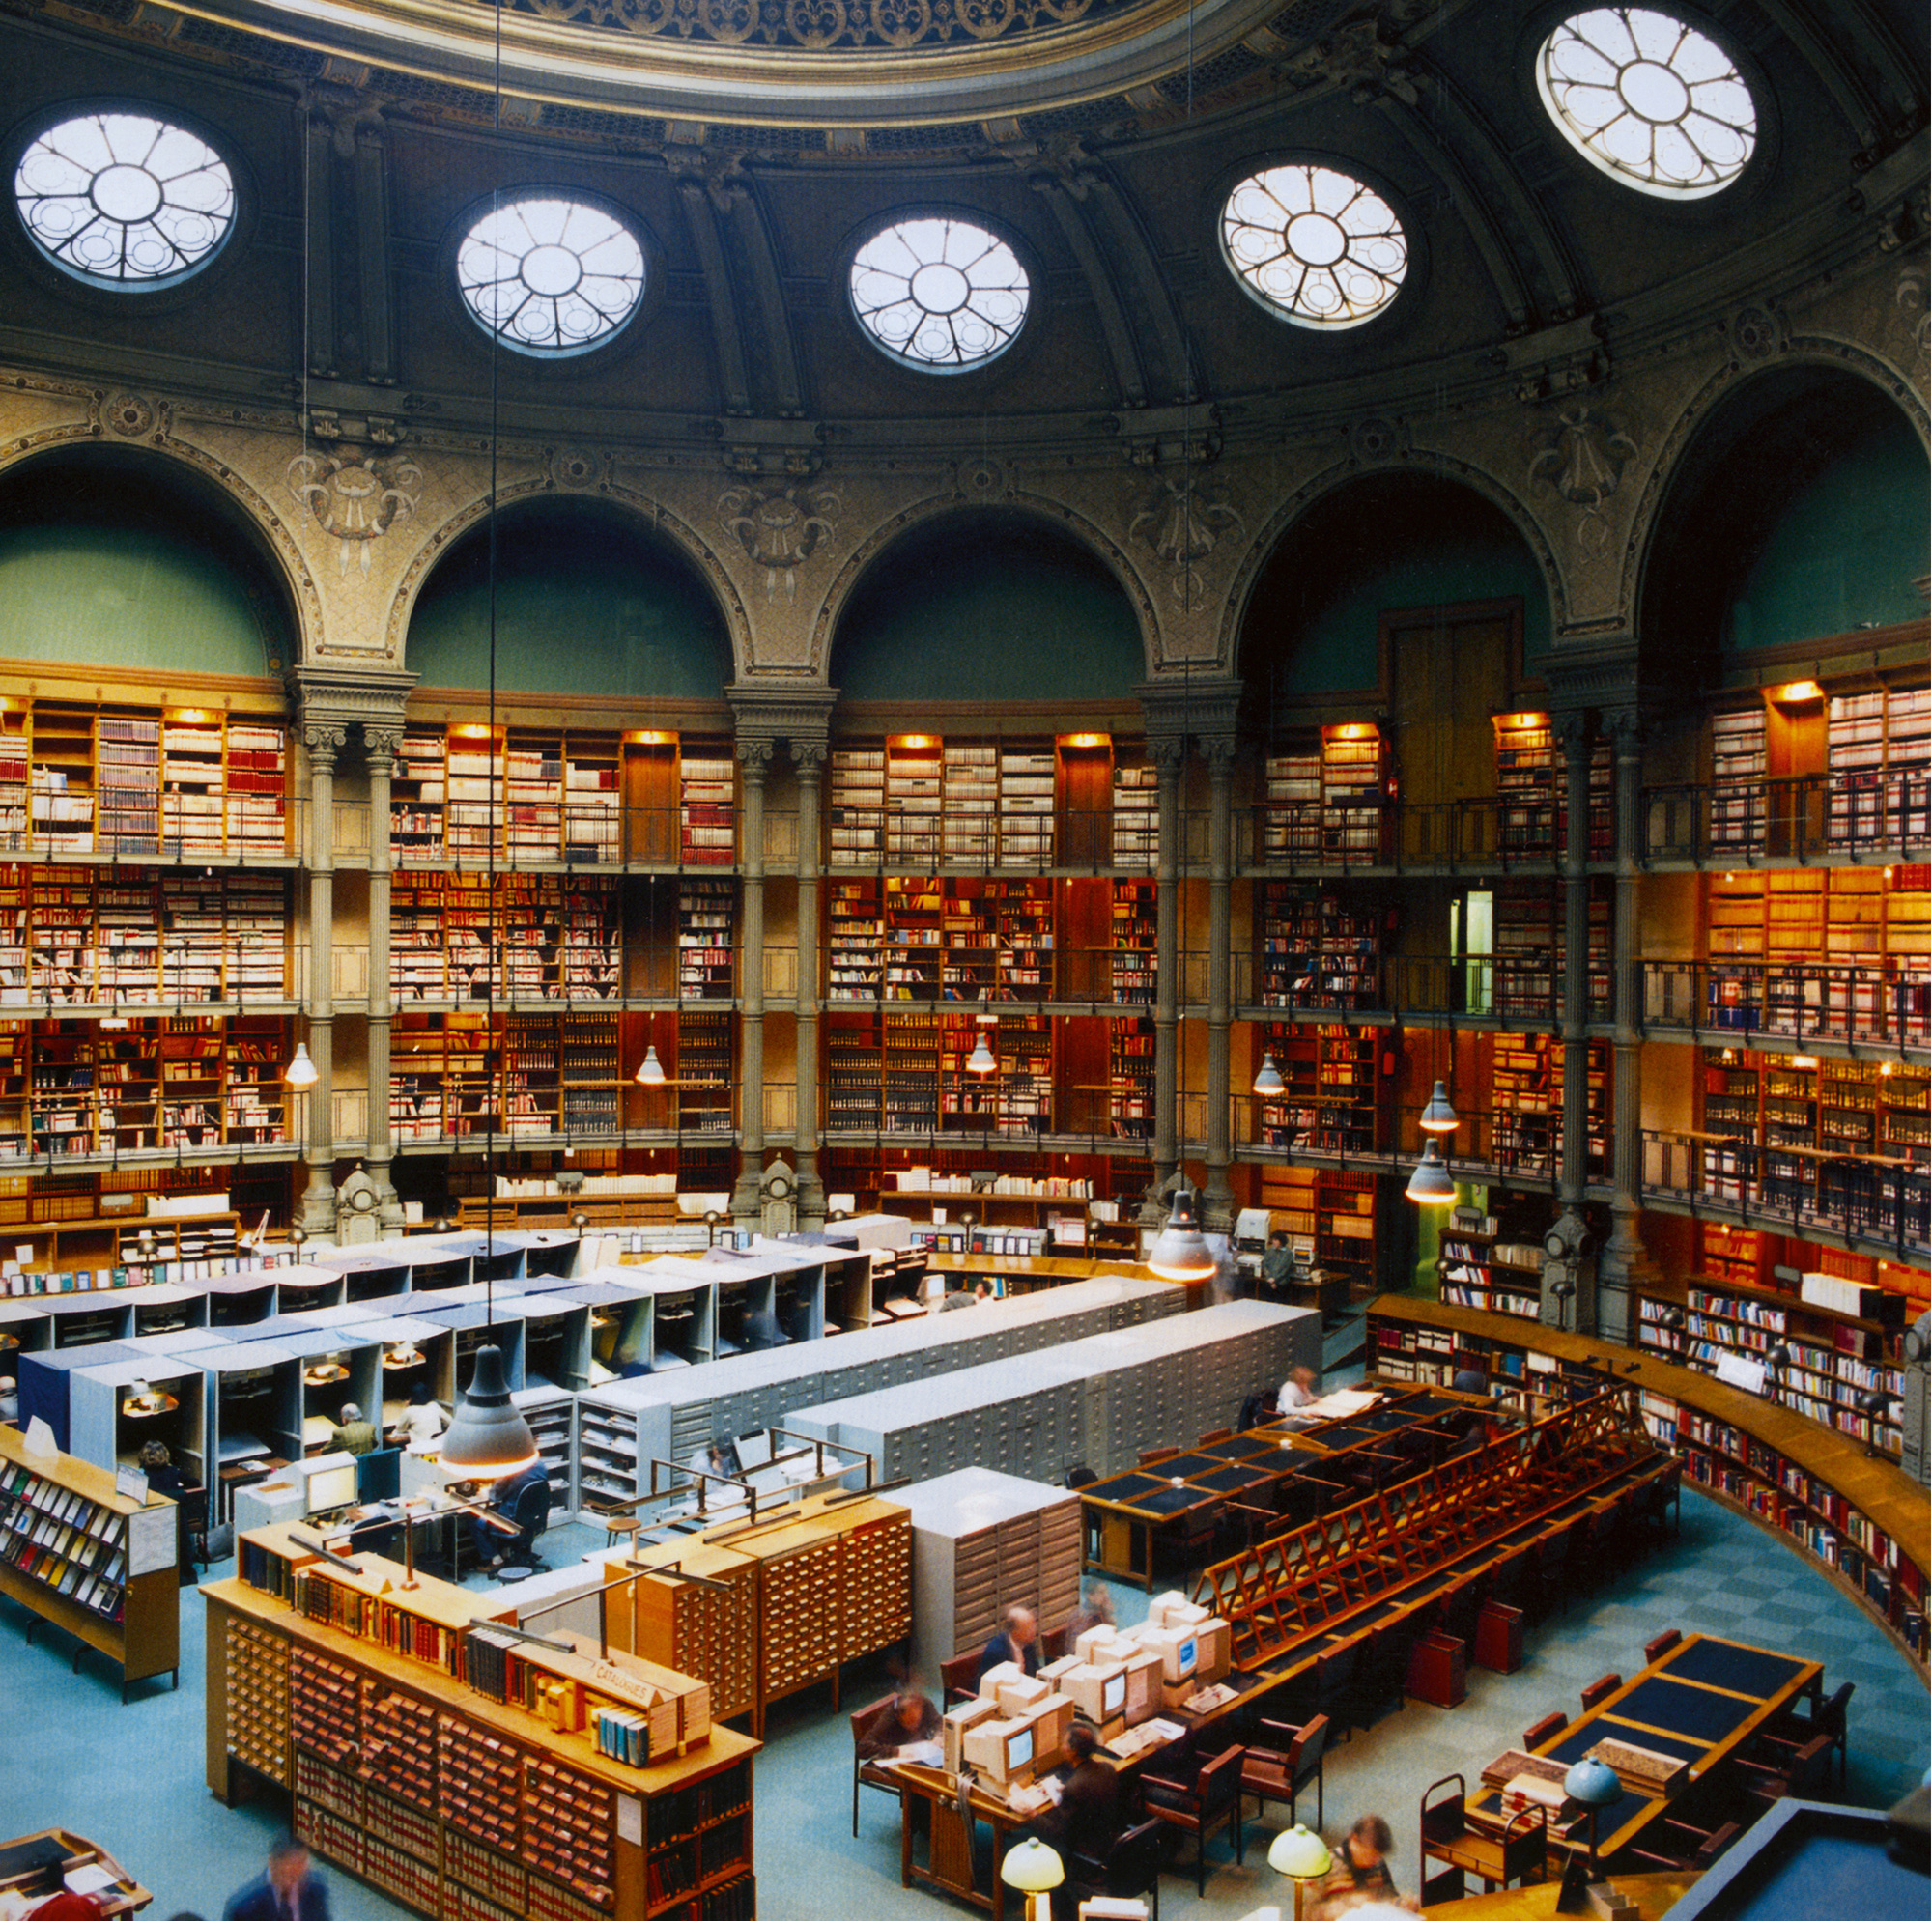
{"x": 289, "y": 1891}
{"x": 1087, "y": 1818}
{"x": 1018, "y": 1642}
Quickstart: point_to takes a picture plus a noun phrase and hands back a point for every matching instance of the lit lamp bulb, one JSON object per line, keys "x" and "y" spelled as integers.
{"x": 1268, "y": 1082}
{"x": 981, "y": 1061}
{"x": 300, "y": 1072}
{"x": 1430, "y": 1184}
{"x": 1439, "y": 1117}
{"x": 1180, "y": 1253}
{"x": 650, "y": 1070}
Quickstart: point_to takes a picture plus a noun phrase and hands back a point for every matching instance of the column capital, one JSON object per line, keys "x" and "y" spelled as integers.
{"x": 1220, "y": 751}
{"x": 808, "y": 756}
{"x": 1626, "y": 728}
{"x": 1167, "y": 751}
{"x": 1574, "y": 730}
{"x": 380, "y": 744}
{"x": 755, "y": 756}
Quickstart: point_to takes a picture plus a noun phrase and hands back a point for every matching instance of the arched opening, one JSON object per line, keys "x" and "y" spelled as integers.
{"x": 120, "y": 558}
{"x": 589, "y": 600}
{"x": 1798, "y": 512}
{"x": 987, "y": 603}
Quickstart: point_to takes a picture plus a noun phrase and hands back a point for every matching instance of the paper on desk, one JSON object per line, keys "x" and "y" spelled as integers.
{"x": 1341, "y": 1405}
{"x": 90, "y": 1879}
{"x": 927, "y": 1754}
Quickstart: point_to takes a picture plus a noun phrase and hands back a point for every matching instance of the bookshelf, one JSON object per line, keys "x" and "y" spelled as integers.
{"x": 706, "y": 915}
{"x": 459, "y": 1074}
{"x": 1329, "y": 1216}
{"x": 704, "y": 1075}
{"x": 1877, "y": 745}
{"x": 1533, "y": 793}
{"x": 1291, "y": 800}
{"x": 1136, "y": 826}
{"x": 1861, "y": 1519}
{"x": 1317, "y": 948}
{"x": 1354, "y": 794}
{"x": 1529, "y": 951}
{"x": 1477, "y": 1269}
{"x": 99, "y": 1565}
{"x": 1135, "y": 943}
{"x": 1131, "y": 1090}
{"x": 1526, "y": 1102}
{"x": 1739, "y": 765}
{"x": 1332, "y": 1088}
{"x": 462, "y": 1770}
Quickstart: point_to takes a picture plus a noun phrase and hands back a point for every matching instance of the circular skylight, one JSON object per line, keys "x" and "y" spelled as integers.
{"x": 550, "y": 276}
{"x": 1316, "y": 246}
{"x": 1653, "y": 102}
{"x": 943, "y": 294}
{"x": 124, "y": 199}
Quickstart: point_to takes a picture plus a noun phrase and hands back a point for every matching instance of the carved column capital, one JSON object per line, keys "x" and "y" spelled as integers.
{"x": 1219, "y": 751}
{"x": 381, "y": 745}
{"x": 324, "y": 743}
{"x": 1167, "y": 751}
{"x": 755, "y": 756}
{"x": 1573, "y": 732}
{"x": 1626, "y": 729}
{"x": 808, "y": 756}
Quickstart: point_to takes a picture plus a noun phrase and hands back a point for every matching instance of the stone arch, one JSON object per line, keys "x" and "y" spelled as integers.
{"x": 1330, "y": 480}
{"x": 143, "y": 428}
{"x": 651, "y": 513}
{"x": 857, "y": 563}
{"x": 1730, "y": 382}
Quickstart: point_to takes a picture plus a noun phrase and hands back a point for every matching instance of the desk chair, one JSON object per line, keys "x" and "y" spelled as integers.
{"x": 1655, "y": 1650}
{"x": 868, "y": 1774}
{"x": 379, "y": 1475}
{"x": 959, "y": 1679}
{"x": 531, "y": 1514}
{"x": 190, "y": 1531}
{"x": 1130, "y": 1871}
{"x": 1208, "y": 1800}
{"x": 1283, "y": 1761}
{"x": 1803, "y": 1773}
{"x": 1676, "y": 1846}
{"x": 1828, "y": 1718}
{"x": 1601, "y": 1689}
{"x": 1548, "y": 1729}
{"x": 1154, "y": 1456}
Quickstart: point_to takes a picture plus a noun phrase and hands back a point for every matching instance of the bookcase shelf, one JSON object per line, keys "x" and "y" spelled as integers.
{"x": 1476, "y": 1269}
{"x": 1333, "y": 1088}
{"x": 1317, "y": 948}
{"x": 457, "y": 1075}
{"x": 1327, "y": 1215}
{"x": 1533, "y": 793}
{"x": 99, "y": 1566}
{"x": 1527, "y": 1105}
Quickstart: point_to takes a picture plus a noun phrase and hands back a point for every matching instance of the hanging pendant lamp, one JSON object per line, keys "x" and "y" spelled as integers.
{"x": 1430, "y": 1184}
{"x": 487, "y": 1438}
{"x": 650, "y": 1070}
{"x": 1439, "y": 1117}
{"x": 1179, "y": 1252}
{"x": 300, "y": 1072}
{"x": 981, "y": 1059}
{"x": 1268, "y": 1082}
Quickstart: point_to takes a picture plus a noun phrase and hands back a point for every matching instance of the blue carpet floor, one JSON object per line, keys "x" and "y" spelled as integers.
{"x": 131, "y": 1777}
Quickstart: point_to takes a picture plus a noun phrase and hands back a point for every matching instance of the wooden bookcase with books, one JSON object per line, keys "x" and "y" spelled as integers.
{"x": 465, "y": 1770}
{"x": 1526, "y": 1104}
{"x": 1877, "y": 747}
{"x": 97, "y": 1563}
{"x": 1476, "y": 1269}
{"x": 1136, "y": 941}
{"x": 1317, "y": 948}
{"x": 1328, "y": 1215}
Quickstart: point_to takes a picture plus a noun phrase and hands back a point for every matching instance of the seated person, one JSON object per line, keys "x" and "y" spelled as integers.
{"x": 1017, "y": 1642}
{"x": 1096, "y": 1610}
{"x": 1087, "y": 1819}
{"x": 1277, "y": 1267}
{"x": 905, "y": 1727}
{"x": 1298, "y": 1393}
{"x": 494, "y": 1548}
{"x": 157, "y": 1464}
{"x": 352, "y": 1435}
{"x": 421, "y": 1424}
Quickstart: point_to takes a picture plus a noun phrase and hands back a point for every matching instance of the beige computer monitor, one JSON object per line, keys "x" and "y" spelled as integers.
{"x": 1003, "y": 1751}
{"x": 1100, "y": 1693}
{"x": 957, "y": 1723}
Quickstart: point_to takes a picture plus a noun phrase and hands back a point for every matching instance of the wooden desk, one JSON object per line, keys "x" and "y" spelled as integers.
{"x": 129, "y": 1897}
{"x": 948, "y": 1864}
{"x": 1654, "y": 1895}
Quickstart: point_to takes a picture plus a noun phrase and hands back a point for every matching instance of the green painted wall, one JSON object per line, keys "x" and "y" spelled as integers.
{"x": 989, "y": 606}
{"x": 134, "y": 566}
{"x": 1846, "y": 549}
{"x": 1404, "y": 542}
{"x": 588, "y": 601}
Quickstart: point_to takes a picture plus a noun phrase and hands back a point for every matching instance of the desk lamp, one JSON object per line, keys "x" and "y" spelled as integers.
{"x": 1035, "y": 1870}
{"x": 146, "y": 1401}
{"x": 1302, "y": 1857}
{"x": 1594, "y": 1784}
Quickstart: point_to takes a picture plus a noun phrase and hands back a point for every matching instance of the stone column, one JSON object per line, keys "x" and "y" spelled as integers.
{"x": 381, "y": 745}
{"x": 1169, "y": 754}
{"x": 1217, "y": 1197}
{"x": 754, "y": 759}
{"x": 810, "y": 756}
{"x": 1574, "y": 731}
{"x": 1624, "y": 1253}
{"x": 318, "y": 1203}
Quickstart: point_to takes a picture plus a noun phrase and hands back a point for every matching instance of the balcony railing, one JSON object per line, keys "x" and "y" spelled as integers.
{"x": 1875, "y": 813}
{"x": 1884, "y": 1201}
{"x": 1888, "y": 1006}
{"x": 1485, "y": 835}
{"x": 1524, "y": 987}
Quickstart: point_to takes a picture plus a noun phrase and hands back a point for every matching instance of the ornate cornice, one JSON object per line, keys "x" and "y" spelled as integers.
{"x": 800, "y": 715}
{"x": 347, "y": 697}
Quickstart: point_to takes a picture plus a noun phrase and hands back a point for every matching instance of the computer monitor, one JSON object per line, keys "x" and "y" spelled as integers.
{"x": 1020, "y": 1752}
{"x": 1114, "y": 1696}
{"x": 1185, "y": 1657}
{"x": 332, "y": 1486}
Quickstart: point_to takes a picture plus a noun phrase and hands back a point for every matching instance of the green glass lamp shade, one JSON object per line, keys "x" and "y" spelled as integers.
{"x": 1300, "y": 1854}
{"x": 487, "y": 1439}
{"x": 1179, "y": 1251}
{"x": 1033, "y": 1867}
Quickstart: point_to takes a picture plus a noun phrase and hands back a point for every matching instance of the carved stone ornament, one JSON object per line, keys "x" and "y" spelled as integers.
{"x": 1581, "y": 461}
{"x": 780, "y": 528}
{"x": 983, "y": 480}
{"x": 814, "y": 25}
{"x": 1374, "y": 439}
{"x": 356, "y": 496}
{"x": 1915, "y": 307}
{"x": 1361, "y": 56}
{"x": 1755, "y": 334}
{"x": 574, "y": 470}
{"x": 1183, "y": 519}
{"x": 131, "y": 415}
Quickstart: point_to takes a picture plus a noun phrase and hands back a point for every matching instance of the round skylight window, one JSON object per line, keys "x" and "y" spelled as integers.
{"x": 942, "y": 295}
{"x": 124, "y": 199}
{"x": 1314, "y": 245}
{"x": 1649, "y": 100}
{"x": 550, "y": 276}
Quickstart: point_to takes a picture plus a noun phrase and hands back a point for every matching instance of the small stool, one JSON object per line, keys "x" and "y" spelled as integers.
{"x": 513, "y": 1572}
{"x": 619, "y": 1528}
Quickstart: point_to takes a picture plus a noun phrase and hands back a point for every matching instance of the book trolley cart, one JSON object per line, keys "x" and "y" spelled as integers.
{"x": 99, "y": 1564}
{"x": 467, "y": 1769}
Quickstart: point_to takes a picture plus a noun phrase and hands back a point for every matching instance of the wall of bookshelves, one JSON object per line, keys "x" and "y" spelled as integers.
{"x": 1532, "y": 791}
{"x": 1317, "y": 948}
{"x": 580, "y": 796}
{"x": 1334, "y": 1093}
{"x": 1527, "y": 968}
{"x": 1325, "y": 797}
{"x": 142, "y": 781}
{"x": 1526, "y": 1103}
{"x": 457, "y": 1074}
{"x": 909, "y": 1073}
{"x": 1329, "y": 1216}
{"x": 1476, "y": 1267}
{"x": 82, "y": 936}
{"x": 1878, "y": 746}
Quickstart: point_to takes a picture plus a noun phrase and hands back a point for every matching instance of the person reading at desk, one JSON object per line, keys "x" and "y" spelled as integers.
{"x": 352, "y": 1435}
{"x": 1017, "y": 1642}
{"x": 157, "y": 1464}
{"x": 1361, "y": 1871}
{"x": 1086, "y": 1818}
{"x": 907, "y": 1728}
{"x": 1298, "y": 1393}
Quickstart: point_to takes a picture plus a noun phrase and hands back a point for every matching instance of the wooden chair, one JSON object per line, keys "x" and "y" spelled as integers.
{"x": 1154, "y": 1456}
{"x": 1548, "y": 1729}
{"x": 1211, "y": 1799}
{"x": 1697, "y": 1851}
{"x": 1518, "y": 1852}
{"x": 959, "y": 1677}
{"x": 1132, "y": 1868}
{"x": 1655, "y": 1650}
{"x": 1803, "y": 1773}
{"x": 1601, "y": 1689}
{"x": 620, "y": 1530}
{"x": 866, "y": 1773}
{"x": 1791, "y": 1731}
{"x": 1052, "y": 1643}
{"x": 1214, "y": 1434}
{"x": 1335, "y": 1683}
{"x": 1284, "y": 1762}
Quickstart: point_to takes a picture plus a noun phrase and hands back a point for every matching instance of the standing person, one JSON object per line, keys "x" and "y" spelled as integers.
{"x": 1361, "y": 1868}
{"x": 1277, "y": 1266}
{"x": 1017, "y": 1642}
{"x": 1096, "y": 1610}
{"x": 289, "y": 1890}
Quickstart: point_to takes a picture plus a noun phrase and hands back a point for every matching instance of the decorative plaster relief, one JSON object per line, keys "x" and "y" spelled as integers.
{"x": 1183, "y": 519}
{"x": 1581, "y": 461}
{"x": 780, "y": 528}
{"x": 356, "y": 496}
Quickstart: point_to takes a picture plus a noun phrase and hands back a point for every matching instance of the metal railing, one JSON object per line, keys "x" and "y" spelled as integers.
{"x": 1889, "y": 1005}
{"x": 1874, "y": 813}
{"x": 1483, "y": 835}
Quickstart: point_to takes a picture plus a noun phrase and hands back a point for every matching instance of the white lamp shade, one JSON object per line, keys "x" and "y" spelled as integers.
{"x": 650, "y": 1070}
{"x": 300, "y": 1072}
{"x": 1439, "y": 1116}
{"x": 1431, "y": 1185}
{"x": 1033, "y": 1867}
{"x": 981, "y": 1061}
{"x": 1300, "y": 1853}
{"x": 1268, "y": 1082}
{"x": 1179, "y": 1251}
{"x": 487, "y": 1438}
